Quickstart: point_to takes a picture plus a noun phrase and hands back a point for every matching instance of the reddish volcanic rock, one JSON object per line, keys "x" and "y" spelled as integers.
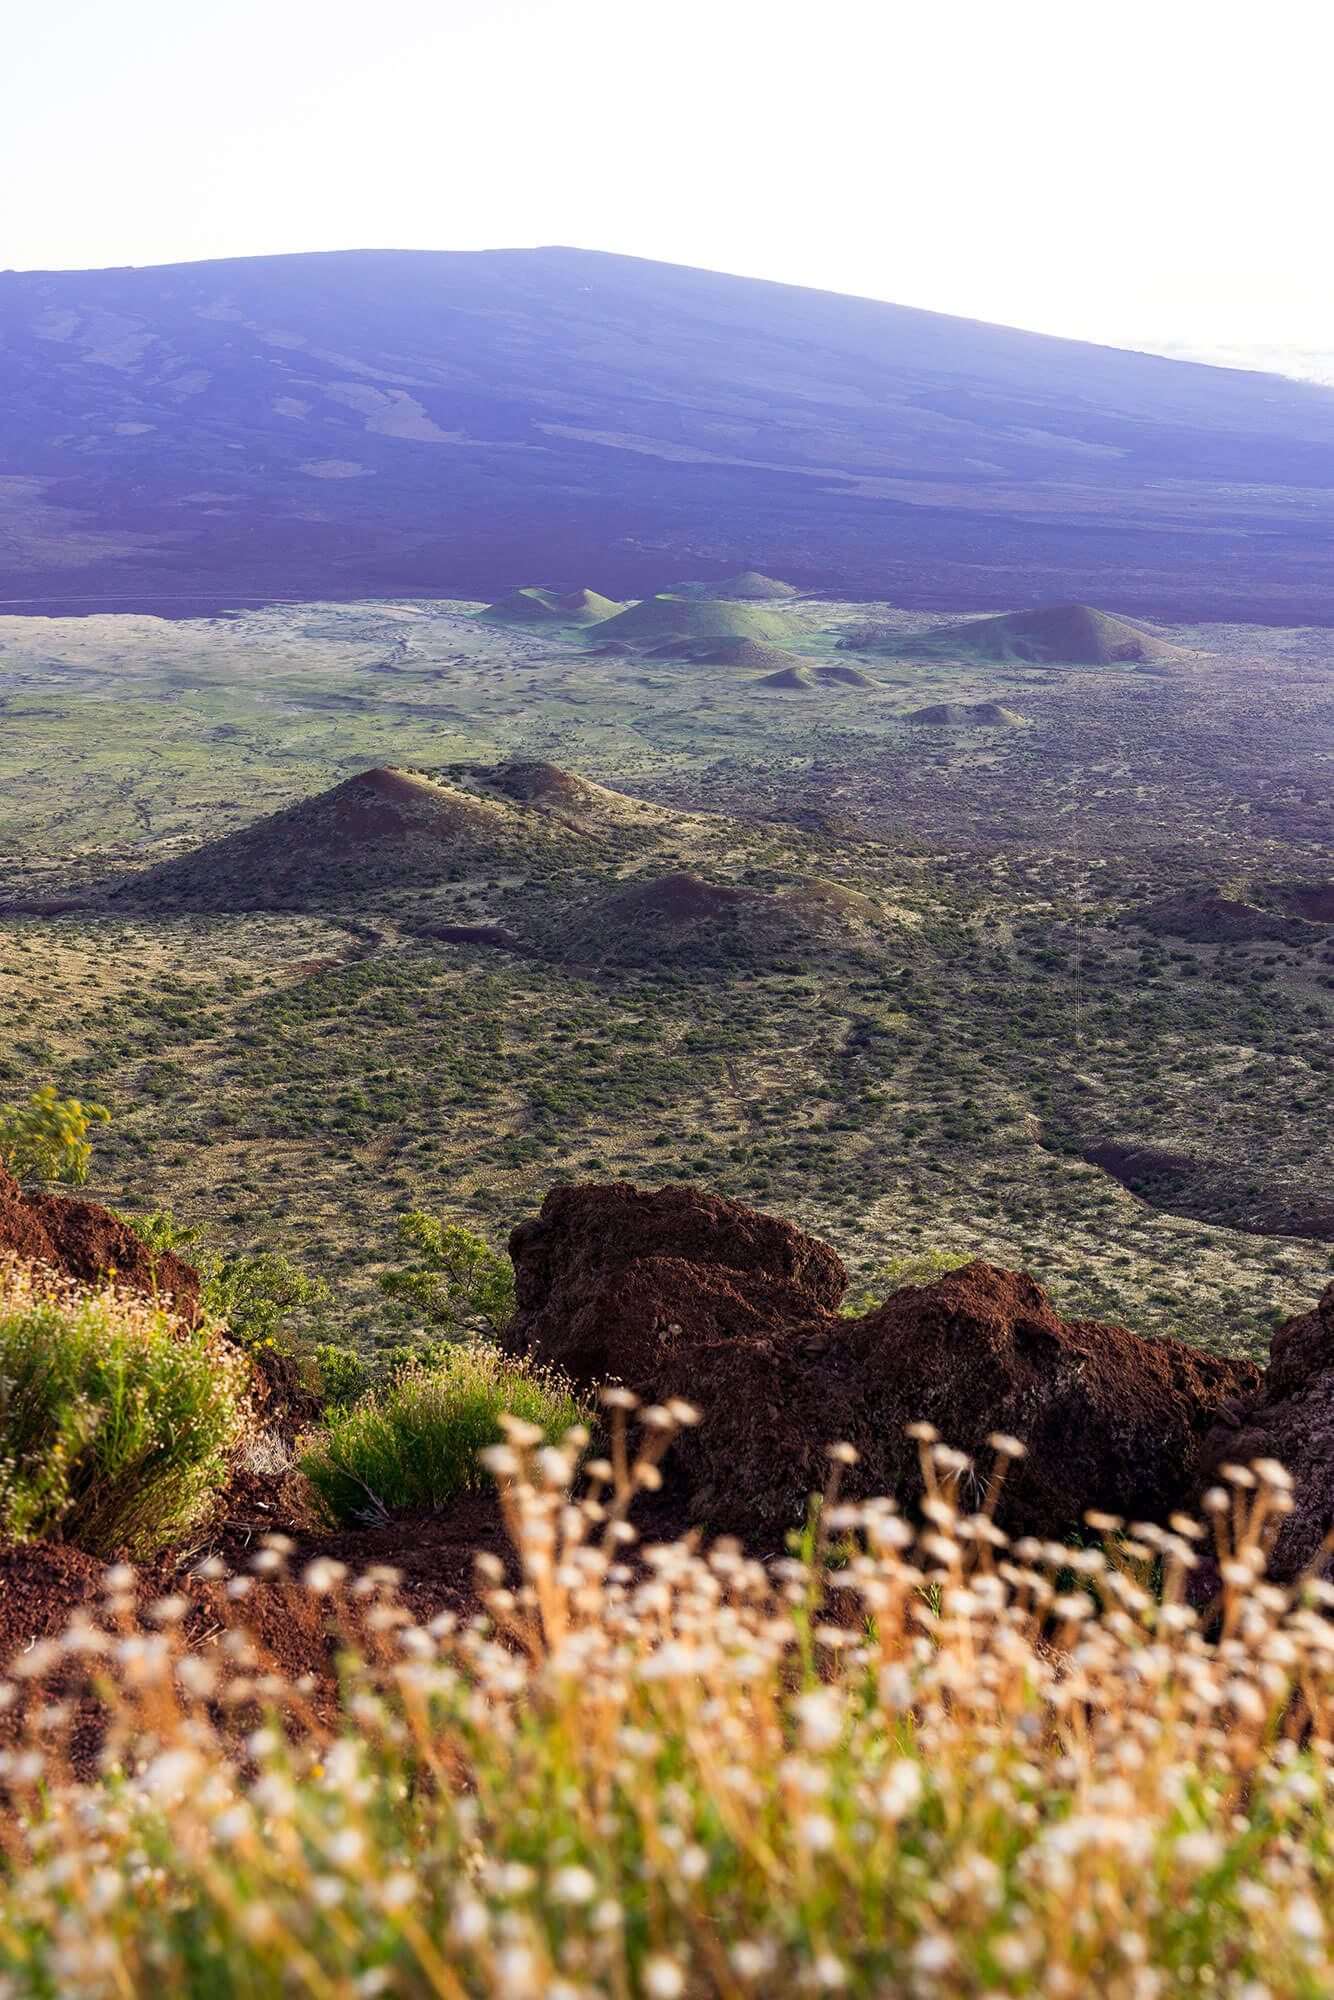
{"x": 1111, "y": 1420}
{"x": 83, "y": 1240}
{"x": 678, "y": 1293}
{"x": 600, "y": 1273}
{"x": 1290, "y": 1418}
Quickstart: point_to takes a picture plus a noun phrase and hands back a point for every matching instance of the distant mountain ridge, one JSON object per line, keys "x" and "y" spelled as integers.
{"x": 394, "y": 423}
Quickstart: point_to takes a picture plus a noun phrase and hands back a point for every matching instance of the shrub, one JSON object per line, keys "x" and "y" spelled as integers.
{"x": 913, "y": 1267}
{"x": 413, "y": 1443}
{"x": 115, "y": 1419}
{"x": 344, "y": 1374}
{"x": 46, "y": 1139}
{"x": 455, "y": 1281}
{"x": 159, "y": 1230}
{"x": 257, "y": 1296}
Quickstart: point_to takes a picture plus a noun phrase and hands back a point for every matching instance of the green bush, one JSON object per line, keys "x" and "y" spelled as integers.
{"x": 344, "y": 1374}
{"x": 913, "y": 1267}
{"x": 46, "y": 1139}
{"x": 159, "y": 1230}
{"x": 115, "y": 1420}
{"x": 257, "y": 1296}
{"x": 413, "y": 1443}
{"x": 455, "y": 1281}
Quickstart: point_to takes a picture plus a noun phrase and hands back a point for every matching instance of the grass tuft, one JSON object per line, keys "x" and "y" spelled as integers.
{"x": 414, "y": 1443}
{"x": 116, "y": 1420}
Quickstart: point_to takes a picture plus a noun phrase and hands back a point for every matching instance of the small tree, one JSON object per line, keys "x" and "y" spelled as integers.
{"x": 455, "y": 1280}
{"x": 46, "y": 1139}
{"x": 256, "y": 1296}
{"x": 159, "y": 1230}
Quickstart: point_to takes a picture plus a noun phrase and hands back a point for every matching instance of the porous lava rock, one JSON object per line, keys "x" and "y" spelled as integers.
{"x": 1290, "y": 1417}
{"x": 83, "y": 1240}
{"x": 616, "y": 1283}
{"x": 1110, "y": 1420}
{"x": 674, "y": 1292}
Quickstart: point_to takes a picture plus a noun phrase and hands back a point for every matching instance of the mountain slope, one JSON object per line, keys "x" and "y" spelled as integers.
{"x": 534, "y": 606}
{"x": 657, "y": 621}
{"x": 387, "y": 423}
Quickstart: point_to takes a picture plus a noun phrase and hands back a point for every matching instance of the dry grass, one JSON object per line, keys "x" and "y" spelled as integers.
{"x": 903, "y": 1762}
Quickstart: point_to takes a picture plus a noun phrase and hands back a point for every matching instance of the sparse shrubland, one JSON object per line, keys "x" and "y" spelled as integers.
{"x": 116, "y": 1421}
{"x": 901, "y": 1763}
{"x": 412, "y": 1443}
{"x": 298, "y": 1080}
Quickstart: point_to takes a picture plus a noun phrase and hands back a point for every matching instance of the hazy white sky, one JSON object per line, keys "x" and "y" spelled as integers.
{"x": 1147, "y": 172}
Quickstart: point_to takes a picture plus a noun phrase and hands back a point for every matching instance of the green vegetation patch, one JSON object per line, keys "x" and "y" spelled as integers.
{"x": 533, "y": 606}
{"x": 748, "y": 585}
{"x": 116, "y": 1422}
{"x": 1074, "y": 634}
{"x": 931, "y": 1051}
{"x": 414, "y": 1444}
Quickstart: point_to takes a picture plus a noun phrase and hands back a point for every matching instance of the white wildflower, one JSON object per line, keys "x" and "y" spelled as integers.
{"x": 573, "y": 1885}
{"x": 900, "y": 1789}
{"x": 819, "y": 1718}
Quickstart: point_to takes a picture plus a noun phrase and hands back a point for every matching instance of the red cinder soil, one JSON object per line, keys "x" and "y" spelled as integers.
{"x": 386, "y": 804}
{"x": 1313, "y": 901}
{"x": 294, "y": 1632}
{"x": 683, "y": 898}
{"x": 1110, "y": 1420}
{"x": 599, "y": 1272}
{"x": 83, "y": 1240}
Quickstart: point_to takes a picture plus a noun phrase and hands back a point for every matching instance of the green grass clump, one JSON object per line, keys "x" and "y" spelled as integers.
{"x": 413, "y": 1444}
{"x": 895, "y": 1274}
{"x": 116, "y": 1421}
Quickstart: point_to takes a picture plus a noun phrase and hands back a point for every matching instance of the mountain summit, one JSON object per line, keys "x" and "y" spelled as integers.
{"x": 394, "y": 423}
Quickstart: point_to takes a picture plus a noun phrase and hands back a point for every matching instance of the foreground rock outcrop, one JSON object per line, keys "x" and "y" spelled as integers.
{"x": 678, "y": 1293}
{"x": 83, "y": 1240}
{"x": 1290, "y": 1417}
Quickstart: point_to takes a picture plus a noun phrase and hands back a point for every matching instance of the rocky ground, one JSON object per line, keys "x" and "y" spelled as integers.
{"x": 678, "y": 1294}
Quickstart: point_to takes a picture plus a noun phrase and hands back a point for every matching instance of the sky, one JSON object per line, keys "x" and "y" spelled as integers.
{"x": 1150, "y": 173}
